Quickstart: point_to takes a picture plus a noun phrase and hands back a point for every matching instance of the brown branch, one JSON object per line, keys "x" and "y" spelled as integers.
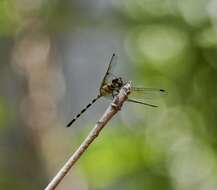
{"x": 113, "y": 108}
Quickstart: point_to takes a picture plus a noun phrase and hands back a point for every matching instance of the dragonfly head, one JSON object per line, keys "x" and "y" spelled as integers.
{"x": 117, "y": 82}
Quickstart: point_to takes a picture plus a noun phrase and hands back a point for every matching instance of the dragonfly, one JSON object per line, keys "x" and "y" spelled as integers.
{"x": 111, "y": 85}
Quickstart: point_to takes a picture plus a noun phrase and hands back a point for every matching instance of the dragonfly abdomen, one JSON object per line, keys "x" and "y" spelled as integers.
{"x": 82, "y": 111}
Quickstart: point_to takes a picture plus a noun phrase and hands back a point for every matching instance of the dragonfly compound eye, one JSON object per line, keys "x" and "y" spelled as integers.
{"x": 115, "y": 80}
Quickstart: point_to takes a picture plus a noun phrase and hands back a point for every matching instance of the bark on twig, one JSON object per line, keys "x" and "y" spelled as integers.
{"x": 113, "y": 108}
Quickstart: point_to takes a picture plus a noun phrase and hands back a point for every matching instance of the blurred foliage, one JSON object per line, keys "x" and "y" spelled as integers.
{"x": 8, "y": 21}
{"x": 3, "y": 114}
{"x": 120, "y": 154}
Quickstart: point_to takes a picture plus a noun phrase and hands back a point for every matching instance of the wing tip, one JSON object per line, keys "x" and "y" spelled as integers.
{"x": 164, "y": 91}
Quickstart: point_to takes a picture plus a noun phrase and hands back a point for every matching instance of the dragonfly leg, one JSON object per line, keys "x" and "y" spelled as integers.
{"x": 113, "y": 95}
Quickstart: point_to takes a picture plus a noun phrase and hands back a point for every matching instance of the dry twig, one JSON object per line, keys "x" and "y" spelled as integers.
{"x": 113, "y": 108}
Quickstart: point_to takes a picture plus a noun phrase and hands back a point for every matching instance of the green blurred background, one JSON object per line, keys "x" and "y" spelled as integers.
{"x": 54, "y": 54}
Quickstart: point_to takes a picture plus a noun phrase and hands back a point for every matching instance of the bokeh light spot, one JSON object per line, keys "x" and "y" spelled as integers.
{"x": 160, "y": 43}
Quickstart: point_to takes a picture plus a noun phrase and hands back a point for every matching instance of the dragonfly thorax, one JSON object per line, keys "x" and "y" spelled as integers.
{"x": 106, "y": 89}
{"x": 111, "y": 88}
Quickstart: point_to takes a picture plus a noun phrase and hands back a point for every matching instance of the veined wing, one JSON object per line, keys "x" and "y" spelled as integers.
{"x": 147, "y": 93}
{"x": 143, "y": 93}
{"x": 143, "y": 103}
{"x": 109, "y": 75}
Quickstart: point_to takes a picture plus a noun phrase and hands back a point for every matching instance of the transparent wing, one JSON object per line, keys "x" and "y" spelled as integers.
{"x": 143, "y": 103}
{"x": 109, "y": 73}
{"x": 109, "y": 97}
{"x": 141, "y": 94}
{"x": 147, "y": 93}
